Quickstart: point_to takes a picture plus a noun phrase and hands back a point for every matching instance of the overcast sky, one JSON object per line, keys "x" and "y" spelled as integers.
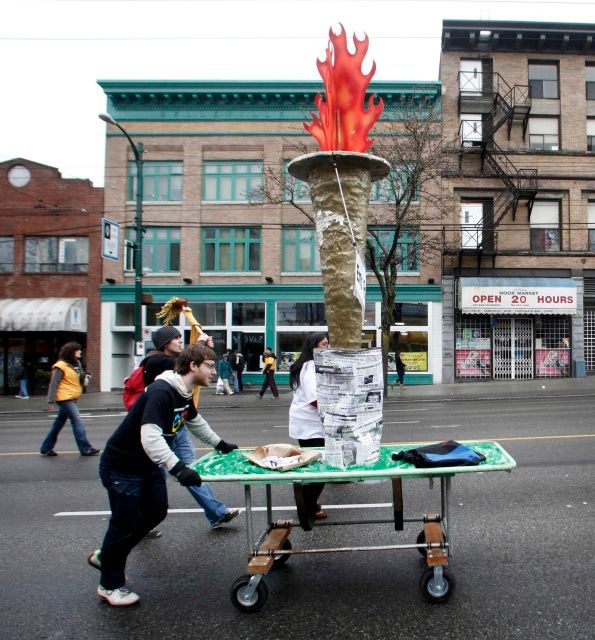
{"x": 52, "y": 52}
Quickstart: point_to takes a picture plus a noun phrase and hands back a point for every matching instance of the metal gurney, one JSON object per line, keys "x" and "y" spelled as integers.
{"x": 273, "y": 547}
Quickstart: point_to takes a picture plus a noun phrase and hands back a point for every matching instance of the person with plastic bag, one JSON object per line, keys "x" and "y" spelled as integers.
{"x": 132, "y": 462}
{"x": 305, "y": 424}
{"x": 225, "y": 373}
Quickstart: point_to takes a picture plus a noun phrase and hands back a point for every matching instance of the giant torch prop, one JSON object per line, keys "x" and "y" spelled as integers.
{"x": 171, "y": 310}
{"x": 340, "y": 178}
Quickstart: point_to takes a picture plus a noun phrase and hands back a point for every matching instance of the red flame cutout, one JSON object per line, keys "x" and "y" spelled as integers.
{"x": 345, "y": 118}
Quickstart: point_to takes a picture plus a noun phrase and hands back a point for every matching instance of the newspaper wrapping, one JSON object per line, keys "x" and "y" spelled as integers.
{"x": 349, "y": 388}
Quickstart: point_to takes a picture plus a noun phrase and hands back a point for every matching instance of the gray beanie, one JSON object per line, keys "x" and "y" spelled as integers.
{"x": 163, "y": 335}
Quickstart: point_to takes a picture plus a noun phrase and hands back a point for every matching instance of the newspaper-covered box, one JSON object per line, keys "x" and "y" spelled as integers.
{"x": 350, "y": 387}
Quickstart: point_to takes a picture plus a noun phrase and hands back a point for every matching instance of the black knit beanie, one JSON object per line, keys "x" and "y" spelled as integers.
{"x": 163, "y": 335}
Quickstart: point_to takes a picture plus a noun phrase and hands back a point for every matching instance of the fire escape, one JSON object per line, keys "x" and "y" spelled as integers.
{"x": 493, "y": 103}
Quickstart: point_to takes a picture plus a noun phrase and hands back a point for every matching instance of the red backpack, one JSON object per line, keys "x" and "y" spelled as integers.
{"x": 134, "y": 385}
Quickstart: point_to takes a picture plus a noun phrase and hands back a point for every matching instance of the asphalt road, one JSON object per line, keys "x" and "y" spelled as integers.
{"x": 523, "y": 542}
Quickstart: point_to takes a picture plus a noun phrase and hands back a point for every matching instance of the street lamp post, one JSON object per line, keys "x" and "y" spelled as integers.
{"x": 137, "y": 150}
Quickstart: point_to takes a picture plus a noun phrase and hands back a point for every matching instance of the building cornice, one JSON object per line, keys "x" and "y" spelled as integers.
{"x": 234, "y": 100}
{"x": 534, "y": 37}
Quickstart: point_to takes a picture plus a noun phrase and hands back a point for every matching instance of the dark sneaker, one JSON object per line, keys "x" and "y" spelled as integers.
{"x": 228, "y": 516}
{"x": 91, "y": 452}
{"x": 94, "y": 559}
{"x": 50, "y": 453}
{"x": 121, "y": 597}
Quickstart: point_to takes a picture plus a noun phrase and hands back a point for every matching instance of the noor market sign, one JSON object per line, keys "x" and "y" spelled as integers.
{"x": 518, "y": 296}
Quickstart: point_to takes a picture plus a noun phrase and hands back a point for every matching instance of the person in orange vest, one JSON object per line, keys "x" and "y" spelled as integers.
{"x": 269, "y": 373}
{"x": 66, "y": 387}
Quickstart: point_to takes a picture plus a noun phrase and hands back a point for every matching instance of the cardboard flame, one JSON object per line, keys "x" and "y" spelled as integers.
{"x": 345, "y": 119}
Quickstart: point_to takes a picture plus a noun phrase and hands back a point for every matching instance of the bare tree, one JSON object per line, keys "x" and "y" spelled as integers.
{"x": 404, "y": 229}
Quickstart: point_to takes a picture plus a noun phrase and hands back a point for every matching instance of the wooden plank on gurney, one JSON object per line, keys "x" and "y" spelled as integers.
{"x": 272, "y": 542}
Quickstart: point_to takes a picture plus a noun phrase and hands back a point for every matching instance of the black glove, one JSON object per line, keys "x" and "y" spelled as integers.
{"x": 226, "y": 447}
{"x": 186, "y": 476}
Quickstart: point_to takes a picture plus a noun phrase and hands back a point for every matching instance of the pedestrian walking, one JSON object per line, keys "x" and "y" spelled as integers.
{"x": 225, "y": 372}
{"x": 238, "y": 364}
{"x": 305, "y": 424}
{"x": 131, "y": 467}
{"x": 400, "y": 366}
{"x": 24, "y": 378}
{"x": 168, "y": 346}
{"x": 269, "y": 373}
{"x": 66, "y": 386}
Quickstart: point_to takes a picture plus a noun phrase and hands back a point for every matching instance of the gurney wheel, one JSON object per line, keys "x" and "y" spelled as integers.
{"x": 282, "y": 558}
{"x": 435, "y": 590}
{"x": 245, "y": 601}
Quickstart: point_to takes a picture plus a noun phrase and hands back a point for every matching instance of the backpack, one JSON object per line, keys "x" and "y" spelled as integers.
{"x": 134, "y": 385}
{"x": 441, "y": 454}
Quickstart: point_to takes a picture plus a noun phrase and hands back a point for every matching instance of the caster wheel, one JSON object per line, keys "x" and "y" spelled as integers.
{"x": 436, "y": 590}
{"x": 282, "y": 558}
{"x": 245, "y": 601}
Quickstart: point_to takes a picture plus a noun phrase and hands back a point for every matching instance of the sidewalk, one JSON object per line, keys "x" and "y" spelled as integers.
{"x": 112, "y": 401}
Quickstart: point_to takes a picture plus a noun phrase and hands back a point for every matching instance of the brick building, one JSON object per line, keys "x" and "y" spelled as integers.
{"x": 50, "y": 270}
{"x": 250, "y": 271}
{"x": 519, "y": 264}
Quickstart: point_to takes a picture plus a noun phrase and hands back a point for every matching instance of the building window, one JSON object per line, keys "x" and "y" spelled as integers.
{"x": 407, "y": 247}
{"x": 249, "y": 314}
{"x": 543, "y": 80}
{"x": 552, "y": 347}
{"x": 392, "y": 188}
{"x": 230, "y": 181}
{"x": 230, "y": 249}
{"x": 590, "y": 77}
{"x": 545, "y": 226}
{"x": 162, "y": 181}
{"x": 544, "y": 134}
{"x": 6, "y": 254}
{"x": 300, "y": 250}
{"x": 56, "y": 255}
{"x": 161, "y": 249}
{"x": 294, "y": 190}
{"x": 301, "y": 314}
{"x": 591, "y": 225}
{"x": 591, "y": 135}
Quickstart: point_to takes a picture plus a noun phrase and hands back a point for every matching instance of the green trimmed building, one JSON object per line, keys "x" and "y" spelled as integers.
{"x": 250, "y": 270}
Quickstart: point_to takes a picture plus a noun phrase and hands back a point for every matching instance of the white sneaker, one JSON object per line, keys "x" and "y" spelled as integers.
{"x": 121, "y": 597}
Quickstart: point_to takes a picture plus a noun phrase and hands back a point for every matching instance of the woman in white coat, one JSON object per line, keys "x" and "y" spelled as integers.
{"x": 305, "y": 424}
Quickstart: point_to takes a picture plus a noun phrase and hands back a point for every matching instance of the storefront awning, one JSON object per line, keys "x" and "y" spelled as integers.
{"x": 518, "y": 296}
{"x": 43, "y": 314}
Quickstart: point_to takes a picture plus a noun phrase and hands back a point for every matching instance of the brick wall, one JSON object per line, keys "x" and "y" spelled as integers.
{"x": 50, "y": 205}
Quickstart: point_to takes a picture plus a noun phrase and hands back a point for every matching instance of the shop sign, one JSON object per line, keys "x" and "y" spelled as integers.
{"x": 527, "y": 298}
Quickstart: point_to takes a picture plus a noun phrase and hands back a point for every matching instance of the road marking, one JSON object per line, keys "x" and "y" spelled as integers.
{"x": 403, "y": 410}
{"x": 83, "y": 415}
{"x": 574, "y": 436}
{"x": 376, "y": 505}
{"x": 444, "y": 426}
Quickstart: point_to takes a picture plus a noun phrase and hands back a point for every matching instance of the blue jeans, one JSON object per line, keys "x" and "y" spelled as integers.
{"x": 184, "y": 448}
{"x": 138, "y": 504}
{"x": 23, "y": 390}
{"x": 67, "y": 410}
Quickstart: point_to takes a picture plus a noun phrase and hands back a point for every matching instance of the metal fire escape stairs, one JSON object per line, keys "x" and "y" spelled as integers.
{"x": 502, "y": 104}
